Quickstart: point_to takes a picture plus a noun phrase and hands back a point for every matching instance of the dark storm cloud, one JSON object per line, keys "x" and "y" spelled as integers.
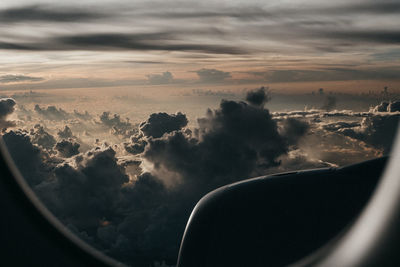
{"x": 212, "y": 75}
{"x": 18, "y": 78}
{"x": 161, "y": 123}
{"x": 164, "y": 78}
{"x": 258, "y": 97}
{"x": 46, "y": 14}
{"x": 162, "y": 41}
{"x": 7, "y": 107}
{"x": 66, "y": 148}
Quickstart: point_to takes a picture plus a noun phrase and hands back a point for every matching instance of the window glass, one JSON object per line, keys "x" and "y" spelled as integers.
{"x": 121, "y": 115}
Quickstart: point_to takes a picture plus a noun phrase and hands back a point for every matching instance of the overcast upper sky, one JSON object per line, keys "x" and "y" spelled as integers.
{"x": 117, "y": 43}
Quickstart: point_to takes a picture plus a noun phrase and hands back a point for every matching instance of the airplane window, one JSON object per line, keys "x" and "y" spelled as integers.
{"x": 121, "y": 115}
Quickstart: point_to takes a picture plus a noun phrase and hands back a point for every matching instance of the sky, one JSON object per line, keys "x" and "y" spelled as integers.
{"x": 291, "y": 46}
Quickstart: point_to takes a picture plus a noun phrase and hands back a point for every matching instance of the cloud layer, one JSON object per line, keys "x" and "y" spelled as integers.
{"x": 131, "y": 198}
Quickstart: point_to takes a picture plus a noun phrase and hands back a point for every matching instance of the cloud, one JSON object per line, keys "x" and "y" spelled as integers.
{"x": 87, "y": 194}
{"x": 377, "y": 127}
{"x": 19, "y": 78}
{"x": 141, "y": 220}
{"x": 161, "y": 123}
{"x": 367, "y": 7}
{"x": 212, "y": 75}
{"x": 7, "y": 107}
{"x": 293, "y": 130}
{"x": 135, "y": 207}
{"x": 42, "y": 138}
{"x": 382, "y": 107}
{"x": 342, "y": 27}
{"x": 230, "y": 143}
{"x": 83, "y": 116}
{"x": 394, "y": 106}
{"x": 202, "y": 92}
{"x": 328, "y": 74}
{"x": 164, "y": 78}
{"x": 378, "y": 131}
{"x": 65, "y": 133}
{"x": 161, "y": 41}
{"x": 258, "y": 97}
{"x": 366, "y": 36}
{"x": 51, "y": 113}
{"x": 27, "y": 156}
{"x": 67, "y": 148}
{"x": 46, "y": 14}
{"x": 136, "y": 146}
{"x": 116, "y": 125}
{"x": 329, "y": 103}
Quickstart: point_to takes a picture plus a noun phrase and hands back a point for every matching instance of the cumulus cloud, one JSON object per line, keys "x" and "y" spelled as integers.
{"x": 378, "y": 131}
{"x": 293, "y": 130}
{"x": 230, "y": 143}
{"x": 382, "y": 107}
{"x": 137, "y": 144}
{"x": 161, "y": 123}
{"x": 164, "y": 78}
{"x": 42, "y": 138}
{"x": 116, "y": 125}
{"x": 65, "y": 133}
{"x": 135, "y": 207}
{"x": 28, "y": 157}
{"x": 67, "y": 148}
{"x": 394, "y": 106}
{"x": 82, "y": 116}
{"x": 139, "y": 218}
{"x": 7, "y": 107}
{"x": 51, "y": 113}
{"x": 258, "y": 97}
{"x": 212, "y": 75}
